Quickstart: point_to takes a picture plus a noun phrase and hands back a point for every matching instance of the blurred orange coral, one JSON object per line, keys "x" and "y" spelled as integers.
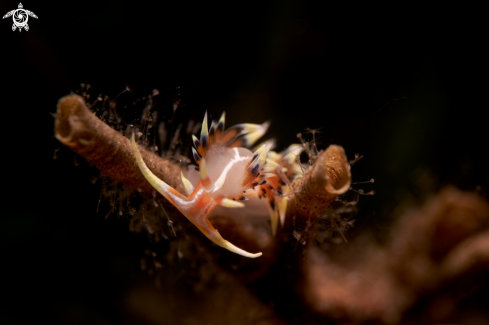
{"x": 414, "y": 276}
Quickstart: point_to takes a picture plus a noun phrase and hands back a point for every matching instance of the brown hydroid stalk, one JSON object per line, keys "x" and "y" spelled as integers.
{"x": 329, "y": 177}
{"x": 84, "y": 133}
{"x": 80, "y": 130}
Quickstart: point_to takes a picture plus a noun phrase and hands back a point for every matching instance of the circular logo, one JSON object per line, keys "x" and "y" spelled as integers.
{"x": 20, "y": 17}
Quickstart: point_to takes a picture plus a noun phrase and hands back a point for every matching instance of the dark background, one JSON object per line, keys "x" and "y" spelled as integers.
{"x": 403, "y": 84}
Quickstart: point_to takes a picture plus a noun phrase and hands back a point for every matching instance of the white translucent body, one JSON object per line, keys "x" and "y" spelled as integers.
{"x": 226, "y": 168}
{"x": 231, "y": 164}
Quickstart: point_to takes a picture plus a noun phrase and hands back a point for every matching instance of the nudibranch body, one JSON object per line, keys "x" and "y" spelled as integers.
{"x": 228, "y": 174}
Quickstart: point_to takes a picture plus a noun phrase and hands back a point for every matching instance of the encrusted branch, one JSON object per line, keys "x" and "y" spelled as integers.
{"x": 84, "y": 133}
{"x": 80, "y": 130}
{"x": 329, "y": 177}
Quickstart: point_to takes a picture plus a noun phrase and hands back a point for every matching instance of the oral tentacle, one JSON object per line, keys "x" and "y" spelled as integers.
{"x": 189, "y": 188}
{"x": 166, "y": 190}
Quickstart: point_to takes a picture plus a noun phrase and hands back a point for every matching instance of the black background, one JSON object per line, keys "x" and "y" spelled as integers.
{"x": 404, "y": 84}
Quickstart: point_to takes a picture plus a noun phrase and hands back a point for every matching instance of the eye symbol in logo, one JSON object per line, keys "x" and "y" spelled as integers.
{"x": 20, "y": 17}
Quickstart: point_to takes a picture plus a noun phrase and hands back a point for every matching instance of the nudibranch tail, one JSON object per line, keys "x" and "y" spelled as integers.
{"x": 196, "y": 206}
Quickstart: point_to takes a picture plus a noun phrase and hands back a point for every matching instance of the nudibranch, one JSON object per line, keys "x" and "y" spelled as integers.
{"x": 228, "y": 174}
